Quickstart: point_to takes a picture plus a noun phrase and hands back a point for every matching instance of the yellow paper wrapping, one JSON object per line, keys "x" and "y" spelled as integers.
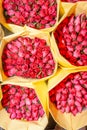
{"x": 8, "y": 124}
{"x": 68, "y": 9}
{"x": 24, "y": 33}
{"x": 66, "y": 120}
{"x": 15, "y": 28}
{"x": 1, "y": 33}
{"x": 62, "y": 73}
{"x": 0, "y": 94}
{"x": 65, "y": 8}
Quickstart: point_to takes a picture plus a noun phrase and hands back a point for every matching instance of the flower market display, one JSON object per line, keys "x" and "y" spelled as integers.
{"x": 43, "y": 64}
{"x": 21, "y": 103}
{"x": 71, "y": 37}
{"x": 70, "y": 95}
{"x": 37, "y": 14}
{"x": 28, "y": 58}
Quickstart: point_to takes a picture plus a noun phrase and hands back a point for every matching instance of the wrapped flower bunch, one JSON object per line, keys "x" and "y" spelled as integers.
{"x": 21, "y": 103}
{"x": 71, "y": 37}
{"x": 70, "y": 95}
{"x": 28, "y": 58}
{"x": 37, "y": 14}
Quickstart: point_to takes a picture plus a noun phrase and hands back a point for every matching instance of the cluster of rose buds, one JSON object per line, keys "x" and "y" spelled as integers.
{"x": 70, "y": 95}
{"x": 71, "y": 37}
{"x": 28, "y": 58}
{"x": 72, "y": 1}
{"x": 37, "y": 14}
{"x": 21, "y": 103}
